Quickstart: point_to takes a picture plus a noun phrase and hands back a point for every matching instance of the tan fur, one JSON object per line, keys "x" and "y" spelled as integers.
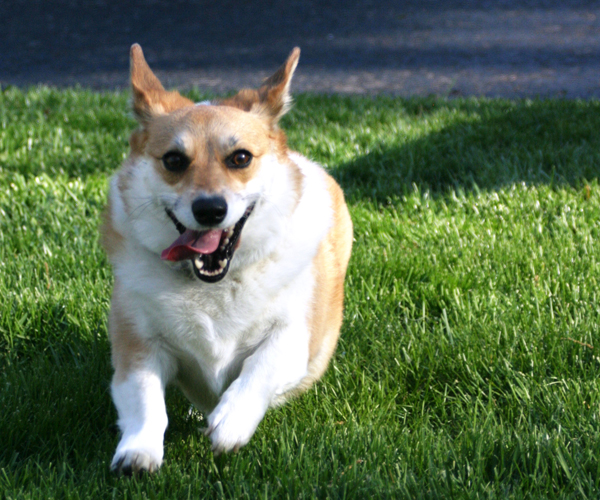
{"x": 297, "y": 180}
{"x": 267, "y": 100}
{"x": 110, "y": 238}
{"x": 244, "y": 100}
{"x": 330, "y": 266}
{"x": 127, "y": 346}
{"x": 212, "y": 135}
{"x": 149, "y": 96}
{"x": 137, "y": 142}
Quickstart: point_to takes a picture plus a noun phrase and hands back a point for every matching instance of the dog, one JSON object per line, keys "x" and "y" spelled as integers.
{"x": 229, "y": 253}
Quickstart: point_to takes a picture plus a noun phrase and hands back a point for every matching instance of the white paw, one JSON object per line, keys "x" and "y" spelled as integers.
{"x": 134, "y": 462}
{"x": 233, "y": 422}
{"x": 136, "y": 454}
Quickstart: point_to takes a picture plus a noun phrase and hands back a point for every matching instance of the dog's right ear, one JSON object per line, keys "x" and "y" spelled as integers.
{"x": 149, "y": 96}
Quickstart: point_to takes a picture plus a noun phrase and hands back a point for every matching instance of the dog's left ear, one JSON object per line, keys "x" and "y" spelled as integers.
{"x": 273, "y": 99}
{"x": 274, "y": 93}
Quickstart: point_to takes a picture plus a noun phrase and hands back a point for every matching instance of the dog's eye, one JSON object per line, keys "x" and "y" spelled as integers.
{"x": 174, "y": 161}
{"x": 239, "y": 159}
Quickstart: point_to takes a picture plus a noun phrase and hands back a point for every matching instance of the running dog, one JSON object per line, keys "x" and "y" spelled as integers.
{"x": 229, "y": 254}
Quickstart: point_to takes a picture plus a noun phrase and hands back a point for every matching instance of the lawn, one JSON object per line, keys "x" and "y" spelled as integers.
{"x": 468, "y": 365}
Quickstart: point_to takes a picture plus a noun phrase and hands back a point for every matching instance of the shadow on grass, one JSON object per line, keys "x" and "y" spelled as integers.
{"x": 551, "y": 142}
{"x": 55, "y": 402}
{"x": 57, "y": 409}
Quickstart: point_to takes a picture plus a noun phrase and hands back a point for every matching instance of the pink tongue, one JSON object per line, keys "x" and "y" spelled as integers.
{"x": 191, "y": 243}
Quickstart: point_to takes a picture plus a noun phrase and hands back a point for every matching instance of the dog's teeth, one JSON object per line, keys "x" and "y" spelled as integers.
{"x": 225, "y": 241}
{"x": 198, "y": 263}
{"x": 223, "y": 263}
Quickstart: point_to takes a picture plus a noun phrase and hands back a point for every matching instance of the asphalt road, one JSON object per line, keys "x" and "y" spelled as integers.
{"x": 415, "y": 47}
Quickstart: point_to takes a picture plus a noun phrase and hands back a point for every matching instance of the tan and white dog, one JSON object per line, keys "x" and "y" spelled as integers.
{"x": 229, "y": 254}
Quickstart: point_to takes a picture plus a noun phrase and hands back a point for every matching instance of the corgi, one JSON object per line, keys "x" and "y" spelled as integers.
{"x": 229, "y": 253}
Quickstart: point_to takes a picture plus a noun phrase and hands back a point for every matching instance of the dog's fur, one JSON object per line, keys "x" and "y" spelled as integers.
{"x": 266, "y": 329}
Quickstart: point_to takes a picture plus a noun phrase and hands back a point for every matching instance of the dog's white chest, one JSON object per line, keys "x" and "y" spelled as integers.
{"x": 212, "y": 328}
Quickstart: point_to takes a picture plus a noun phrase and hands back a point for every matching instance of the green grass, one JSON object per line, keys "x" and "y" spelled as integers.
{"x": 468, "y": 365}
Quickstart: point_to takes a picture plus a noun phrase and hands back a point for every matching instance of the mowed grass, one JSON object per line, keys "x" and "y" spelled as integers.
{"x": 469, "y": 360}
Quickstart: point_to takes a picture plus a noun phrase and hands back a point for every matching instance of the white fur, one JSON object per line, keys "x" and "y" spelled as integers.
{"x": 234, "y": 346}
{"x": 143, "y": 419}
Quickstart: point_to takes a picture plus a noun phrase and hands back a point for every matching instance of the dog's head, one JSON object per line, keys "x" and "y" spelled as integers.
{"x": 204, "y": 166}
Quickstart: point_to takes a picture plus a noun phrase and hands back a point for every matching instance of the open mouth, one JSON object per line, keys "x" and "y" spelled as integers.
{"x": 210, "y": 251}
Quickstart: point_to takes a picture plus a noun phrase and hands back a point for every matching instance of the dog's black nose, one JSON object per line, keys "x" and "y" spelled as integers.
{"x": 209, "y": 210}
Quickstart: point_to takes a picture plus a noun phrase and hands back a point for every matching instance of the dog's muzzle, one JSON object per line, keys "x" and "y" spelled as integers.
{"x": 210, "y": 251}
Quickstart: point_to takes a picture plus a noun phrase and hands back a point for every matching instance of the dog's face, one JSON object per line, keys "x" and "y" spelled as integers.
{"x": 203, "y": 167}
{"x": 207, "y": 160}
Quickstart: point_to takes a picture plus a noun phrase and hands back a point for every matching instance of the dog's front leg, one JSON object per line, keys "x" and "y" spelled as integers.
{"x": 142, "y": 370}
{"x": 139, "y": 399}
{"x": 277, "y": 366}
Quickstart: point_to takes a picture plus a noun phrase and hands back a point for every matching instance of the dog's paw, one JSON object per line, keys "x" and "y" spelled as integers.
{"x": 233, "y": 422}
{"x": 135, "y": 462}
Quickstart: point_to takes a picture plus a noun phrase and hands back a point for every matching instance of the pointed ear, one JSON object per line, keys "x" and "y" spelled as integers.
{"x": 272, "y": 100}
{"x": 274, "y": 94}
{"x": 149, "y": 96}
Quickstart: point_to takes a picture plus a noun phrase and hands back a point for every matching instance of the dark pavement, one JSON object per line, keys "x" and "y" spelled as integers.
{"x": 454, "y": 47}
